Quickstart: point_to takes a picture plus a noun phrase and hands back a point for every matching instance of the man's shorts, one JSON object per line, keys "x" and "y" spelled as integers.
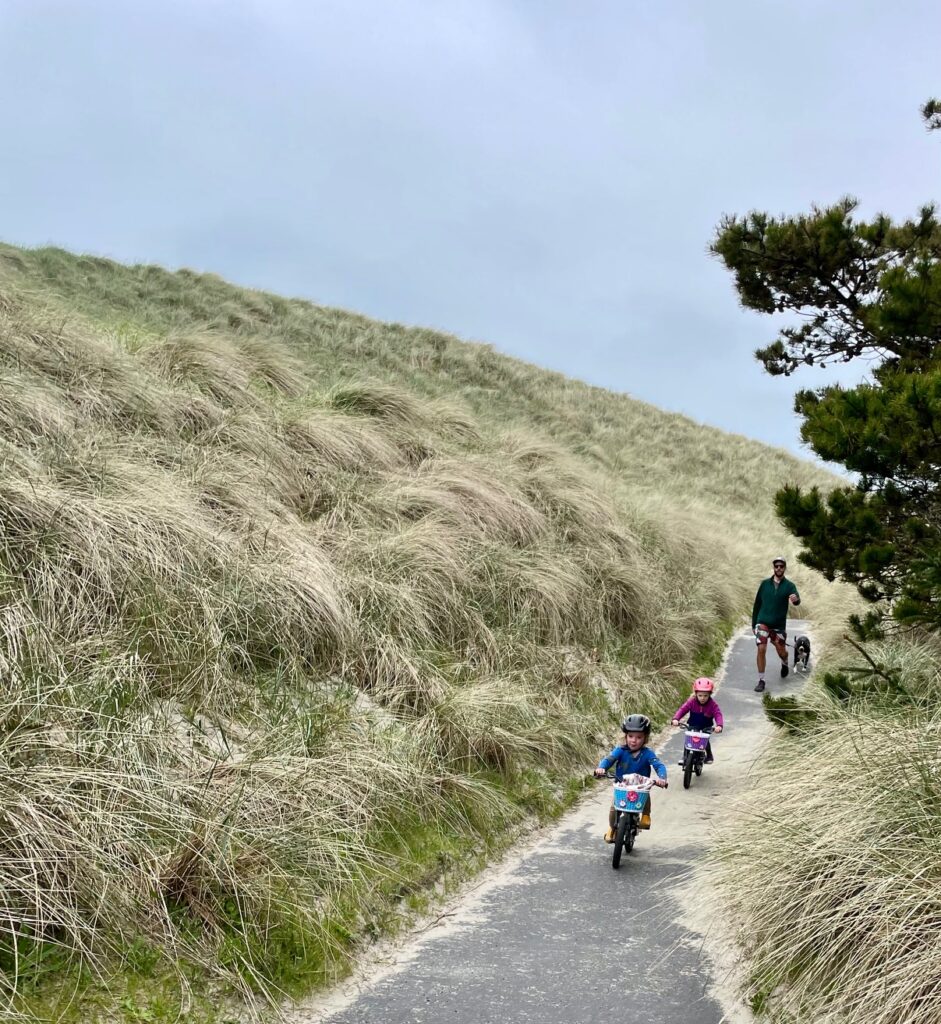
{"x": 765, "y": 633}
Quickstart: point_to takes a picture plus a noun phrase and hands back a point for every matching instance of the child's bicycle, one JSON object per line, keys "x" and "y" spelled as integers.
{"x": 695, "y": 742}
{"x": 629, "y": 799}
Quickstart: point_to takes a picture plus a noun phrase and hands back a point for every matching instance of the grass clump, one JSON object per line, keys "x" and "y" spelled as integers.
{"x": 281, "y": 646}
{"x": 833, "y": 872}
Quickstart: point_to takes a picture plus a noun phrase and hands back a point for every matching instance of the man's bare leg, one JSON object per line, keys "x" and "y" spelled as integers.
{"x": 762, "y": 656}
{"x": 781, "y": 648}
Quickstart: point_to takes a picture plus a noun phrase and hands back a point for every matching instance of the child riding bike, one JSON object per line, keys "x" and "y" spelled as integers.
{"x": 704, "y": 713}
{"x": 633, "y": 756}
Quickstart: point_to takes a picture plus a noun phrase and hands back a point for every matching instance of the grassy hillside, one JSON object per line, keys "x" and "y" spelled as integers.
{"x": 300, "y": 611}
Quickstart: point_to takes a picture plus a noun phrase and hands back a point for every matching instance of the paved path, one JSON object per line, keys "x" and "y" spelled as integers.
{"x": 558, "y": 937}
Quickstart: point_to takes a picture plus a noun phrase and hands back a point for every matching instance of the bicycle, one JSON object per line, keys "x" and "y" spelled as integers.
{"x": 629, "y": 799}
{"x": 695, "y": 743}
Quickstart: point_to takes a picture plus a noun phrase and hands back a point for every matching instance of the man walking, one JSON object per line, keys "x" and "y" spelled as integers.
{"x": 769, "y": 617}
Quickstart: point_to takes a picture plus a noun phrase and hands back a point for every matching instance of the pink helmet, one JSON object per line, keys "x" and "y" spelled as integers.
{"x": 703, "y": 685}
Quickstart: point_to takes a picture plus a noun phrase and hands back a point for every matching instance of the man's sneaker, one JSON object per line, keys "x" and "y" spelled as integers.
{"x": 681, "y": 762}
{"x": 784, "y": 669}
{"x": 609, "y": 836}
{"x": 760, "y": 688}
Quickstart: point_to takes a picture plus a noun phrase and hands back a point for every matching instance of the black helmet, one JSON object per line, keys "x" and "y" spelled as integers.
{"x": 636, "y": 723}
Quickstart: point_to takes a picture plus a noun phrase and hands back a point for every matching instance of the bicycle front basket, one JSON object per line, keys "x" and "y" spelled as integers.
{"x": 628, "y": 799}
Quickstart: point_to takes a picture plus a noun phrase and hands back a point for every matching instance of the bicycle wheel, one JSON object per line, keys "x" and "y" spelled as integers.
{"x": 687, "y": 769}
{"x": 623, "y": 838}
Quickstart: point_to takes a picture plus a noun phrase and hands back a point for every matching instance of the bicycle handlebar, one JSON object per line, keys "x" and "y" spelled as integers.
{"x": 613, "y": 778}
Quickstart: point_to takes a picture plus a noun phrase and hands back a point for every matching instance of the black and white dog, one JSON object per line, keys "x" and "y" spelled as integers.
{"x": 802, "y": 652}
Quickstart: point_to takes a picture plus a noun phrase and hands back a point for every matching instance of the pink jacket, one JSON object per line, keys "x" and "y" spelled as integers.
{"x": 708, "y": 710}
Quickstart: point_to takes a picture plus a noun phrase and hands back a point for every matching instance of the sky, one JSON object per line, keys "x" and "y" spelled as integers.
{"x": 541, "y": 175}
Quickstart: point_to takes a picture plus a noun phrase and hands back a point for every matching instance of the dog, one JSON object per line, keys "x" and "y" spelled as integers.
{"x": 802, "y": 653}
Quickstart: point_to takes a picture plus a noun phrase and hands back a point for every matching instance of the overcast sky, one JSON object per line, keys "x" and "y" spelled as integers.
{"x": 538, "y": 174}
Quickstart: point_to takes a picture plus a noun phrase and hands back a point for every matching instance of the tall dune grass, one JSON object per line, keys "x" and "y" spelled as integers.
{"x": 284, "y": 591}
{"x": 834, "y": 870}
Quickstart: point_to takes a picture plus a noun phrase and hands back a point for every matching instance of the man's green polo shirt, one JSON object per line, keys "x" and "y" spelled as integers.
{"x": 771, "y": 603}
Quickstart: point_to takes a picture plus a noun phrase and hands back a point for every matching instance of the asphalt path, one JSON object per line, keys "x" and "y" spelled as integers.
{"x": 556, "y": 936}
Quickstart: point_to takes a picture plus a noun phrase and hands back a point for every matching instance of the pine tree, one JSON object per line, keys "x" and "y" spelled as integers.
{"x": 864, "y": 291}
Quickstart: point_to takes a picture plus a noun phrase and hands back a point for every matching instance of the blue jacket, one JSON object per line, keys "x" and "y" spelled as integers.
{"x": 626, "y": 763}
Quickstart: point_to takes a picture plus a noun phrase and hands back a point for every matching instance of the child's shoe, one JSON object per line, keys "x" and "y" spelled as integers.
{"x": 709, "y": 759}
{"x": 609, "y": 836}
{"x": 644, "y": 820}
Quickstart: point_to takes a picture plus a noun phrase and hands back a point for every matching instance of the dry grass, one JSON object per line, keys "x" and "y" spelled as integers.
{"x": 834, "y": 870}
{"x": 259, "y": 612}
